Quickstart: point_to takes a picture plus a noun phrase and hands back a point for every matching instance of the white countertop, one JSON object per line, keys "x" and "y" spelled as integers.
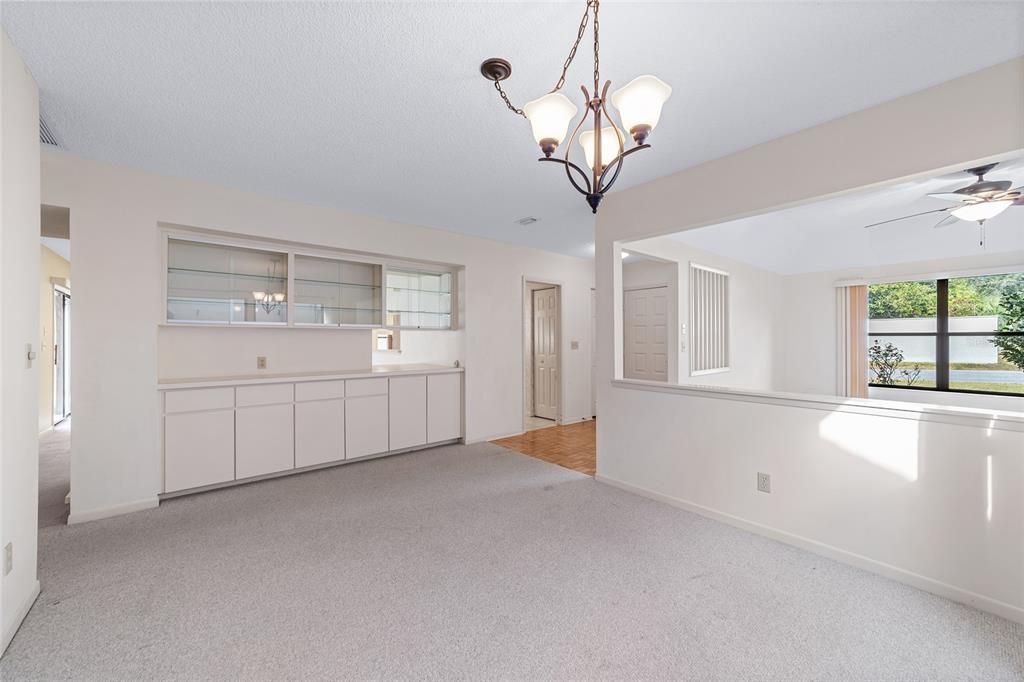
{"x": 282, "y": 378}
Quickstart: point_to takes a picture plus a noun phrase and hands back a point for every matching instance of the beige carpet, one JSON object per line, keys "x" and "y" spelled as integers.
{"x": 54, "y": 474}
{"x": 472, "y": 562}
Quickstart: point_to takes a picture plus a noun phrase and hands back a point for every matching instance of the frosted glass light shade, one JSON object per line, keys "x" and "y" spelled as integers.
{"x": 609, "y": 146}
{"x": 259, "y": 295}
{"x": 982, "y": 211}
{"x": 639, "y": 103}
{"x": 549, "y": 117}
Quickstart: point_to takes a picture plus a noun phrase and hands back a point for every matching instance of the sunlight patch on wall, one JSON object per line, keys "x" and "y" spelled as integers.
{"x": 890, "y": 444}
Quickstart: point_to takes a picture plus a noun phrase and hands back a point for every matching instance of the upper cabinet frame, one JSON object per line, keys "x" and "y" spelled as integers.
{"x": 212, "y": 280}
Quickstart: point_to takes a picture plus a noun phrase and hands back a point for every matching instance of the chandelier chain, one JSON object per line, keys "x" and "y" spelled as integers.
{"x": 575, "y": 45}
{"x": 513, "y": 109}
{"x": 597, "y": 46}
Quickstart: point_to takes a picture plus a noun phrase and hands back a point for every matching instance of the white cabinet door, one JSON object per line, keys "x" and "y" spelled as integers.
{"x": 407, "y": 402}
{"x": 264, "y": 440}
{"x": 199, "y": 449}
{"x": 319, "y": 432}
{"x": 444, "y": 407}
{"x": 366, "y": 426}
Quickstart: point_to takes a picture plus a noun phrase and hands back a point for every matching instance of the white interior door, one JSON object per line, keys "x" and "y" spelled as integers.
{"x": 645, "y": 317}
{"x": 545, "y": 353}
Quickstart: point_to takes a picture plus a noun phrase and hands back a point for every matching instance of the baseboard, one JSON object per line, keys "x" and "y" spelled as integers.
{"x": 921, "y": 582}
{"x": 116, "y": 510}
{"x": 19, "y": 618}
{"x": 487, "y": 439}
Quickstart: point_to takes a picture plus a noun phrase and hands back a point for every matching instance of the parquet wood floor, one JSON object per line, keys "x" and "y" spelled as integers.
{"x": 573, "y": 446}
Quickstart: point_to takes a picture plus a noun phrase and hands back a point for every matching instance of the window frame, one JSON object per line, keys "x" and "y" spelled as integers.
{"x": 942, "y": 337}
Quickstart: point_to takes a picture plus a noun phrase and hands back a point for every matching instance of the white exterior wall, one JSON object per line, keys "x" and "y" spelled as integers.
{"x": 117, "y": 272}
{"x": 903, "y": 496}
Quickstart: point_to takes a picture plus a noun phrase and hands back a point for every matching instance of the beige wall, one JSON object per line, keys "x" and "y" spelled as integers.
{"x": 51, "y": 265}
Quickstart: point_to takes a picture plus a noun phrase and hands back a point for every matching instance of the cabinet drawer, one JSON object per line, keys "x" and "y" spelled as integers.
{"x": 319, "y": 390}
{"x": 358, "y": 387}
{"x": 267, "y": 394}
{"x": 198, "y": 399}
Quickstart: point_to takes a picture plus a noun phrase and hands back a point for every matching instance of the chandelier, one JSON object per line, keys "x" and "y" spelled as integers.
{"x": 639, "y": 104}
{"x": 269, "y": 300}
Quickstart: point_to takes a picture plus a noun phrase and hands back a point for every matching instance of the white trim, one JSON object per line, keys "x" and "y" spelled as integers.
{"x": 913, "y": 277}
{"x": 960, "y": 416}
{"x": 706, "y": 268}
{"x": 526, "y": 291}
{"x": 921, "y": 582}
{"x": 703, "y": 372}
{"x": 19, "y": 618}
{"x": 114, "y": 510}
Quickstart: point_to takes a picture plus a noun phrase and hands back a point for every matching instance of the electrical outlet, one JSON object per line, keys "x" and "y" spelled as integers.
{"x": 8, "y": 558}
{"x": 261, "y": 362}
{"x": 764, "y": 482}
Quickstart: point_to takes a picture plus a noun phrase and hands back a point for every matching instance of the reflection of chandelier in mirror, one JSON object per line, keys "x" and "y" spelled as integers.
{"x": 639, "y": 104}
{"x": 269, "y": 300}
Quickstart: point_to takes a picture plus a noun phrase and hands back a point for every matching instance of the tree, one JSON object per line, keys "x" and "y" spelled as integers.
{"x": 1011, "y": 319}
{"x": 885, "y": 363}
{"x": 902, "y": 300}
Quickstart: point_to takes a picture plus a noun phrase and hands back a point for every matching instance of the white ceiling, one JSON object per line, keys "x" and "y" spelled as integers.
{"x": 379, "y": 108}
{"x": 830, "y": 235}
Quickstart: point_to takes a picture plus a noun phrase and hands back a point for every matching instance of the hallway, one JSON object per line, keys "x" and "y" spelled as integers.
{"x": 54, "y": 474}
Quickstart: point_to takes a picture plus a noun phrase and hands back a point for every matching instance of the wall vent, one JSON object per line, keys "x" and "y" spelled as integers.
{"x": 45, "y": 135}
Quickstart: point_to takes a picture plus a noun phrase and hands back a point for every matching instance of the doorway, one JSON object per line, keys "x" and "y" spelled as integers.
{"x": 542, "y": 372}
{"x": 61, "y": 354}
{"x": 55, "y": 369}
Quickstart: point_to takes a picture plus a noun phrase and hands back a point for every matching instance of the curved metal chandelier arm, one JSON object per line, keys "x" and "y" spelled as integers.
{"x": 617, "y": 165}
{"x": 570, "y": 165}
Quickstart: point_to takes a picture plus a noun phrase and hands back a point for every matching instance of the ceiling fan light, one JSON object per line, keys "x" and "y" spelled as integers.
{"x": 609, "y": 145}
{"x": 982, "y": 210}
{"x": 639, "y": 103}
{"x": 549, "y": 117}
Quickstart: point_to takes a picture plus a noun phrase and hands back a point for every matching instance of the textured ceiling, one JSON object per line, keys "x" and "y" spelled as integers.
{"x": 830, "y": 235}
{"x": 379, "y": 108}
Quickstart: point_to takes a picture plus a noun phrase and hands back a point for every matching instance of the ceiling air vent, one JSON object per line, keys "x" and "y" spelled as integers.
{"x": 529, "y": 220}
{"x": 45, "y": 136}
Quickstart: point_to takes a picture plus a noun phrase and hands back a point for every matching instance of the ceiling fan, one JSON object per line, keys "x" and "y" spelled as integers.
{"x": 979, "y": 201}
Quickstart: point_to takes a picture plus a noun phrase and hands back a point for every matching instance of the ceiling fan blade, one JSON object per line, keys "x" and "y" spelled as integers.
{"x": 950, "y": 196}
{"x": 913, "y": 215}
{"x": 947, "y": 221}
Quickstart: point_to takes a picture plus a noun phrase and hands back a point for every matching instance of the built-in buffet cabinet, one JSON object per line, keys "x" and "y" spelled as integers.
{"x": 218, "y": 432}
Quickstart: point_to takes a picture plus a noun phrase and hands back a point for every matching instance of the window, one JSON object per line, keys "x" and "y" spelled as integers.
{"x": 709, "y": 320}
{"x": 211, "y": 283}
{"x": 960, "y": 334}
{"x": 419, "y": 300}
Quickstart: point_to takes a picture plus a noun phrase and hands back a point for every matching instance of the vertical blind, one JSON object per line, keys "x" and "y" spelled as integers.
{"x": 709, "y": 320}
